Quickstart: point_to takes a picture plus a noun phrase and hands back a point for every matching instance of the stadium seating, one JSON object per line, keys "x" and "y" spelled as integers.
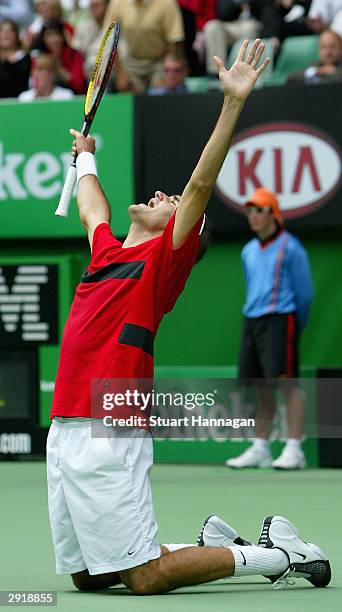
{"x": 197, "y": 84}
{"x": 297, "y": 53}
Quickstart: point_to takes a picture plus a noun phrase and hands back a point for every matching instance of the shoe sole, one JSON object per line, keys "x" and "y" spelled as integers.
{"x": 264, "y": 539}
{"x": 296, "y": 467}
{"x": 200, "y": 540}
{"x": 318, "y": 573}
{"x": 246, "y": 467}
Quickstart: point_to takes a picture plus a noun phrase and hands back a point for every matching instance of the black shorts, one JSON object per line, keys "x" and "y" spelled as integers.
{"x": 269, "y": 347}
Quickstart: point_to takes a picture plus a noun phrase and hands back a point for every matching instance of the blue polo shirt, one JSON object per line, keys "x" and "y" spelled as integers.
{"x": 278, "y": 277}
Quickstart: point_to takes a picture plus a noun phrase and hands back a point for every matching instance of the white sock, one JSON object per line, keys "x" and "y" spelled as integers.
{"x": 173, "y": 547}
{"x": 252, "y": 560}
{"x": 261, "y": 444}
{"x": 294, "y": 443}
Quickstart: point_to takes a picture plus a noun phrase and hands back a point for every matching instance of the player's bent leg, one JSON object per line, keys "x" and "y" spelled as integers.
{"x": 85, "y": 582}
{"x": 196, "y": 565}
{"x": 185, "y": 567}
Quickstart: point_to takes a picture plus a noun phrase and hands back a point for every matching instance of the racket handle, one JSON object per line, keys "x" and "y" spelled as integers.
{"x": 70, "y": 182}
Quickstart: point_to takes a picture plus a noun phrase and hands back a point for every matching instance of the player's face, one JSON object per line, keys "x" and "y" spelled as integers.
{"x": 160, "y": 198}
{"x": 156, "y": 213}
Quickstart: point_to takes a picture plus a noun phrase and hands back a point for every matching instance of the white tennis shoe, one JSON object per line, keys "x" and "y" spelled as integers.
{"x": 305, "y": 560}
{"x": 290, "y": 459}
{"x": 252, "y": 457}
{"x": 216, "y": 532}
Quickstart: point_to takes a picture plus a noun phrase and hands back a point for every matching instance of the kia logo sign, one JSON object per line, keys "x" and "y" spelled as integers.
{"x": 299, "y": 163}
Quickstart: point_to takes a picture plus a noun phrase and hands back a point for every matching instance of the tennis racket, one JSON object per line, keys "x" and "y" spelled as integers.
{"x": 96, "y": 88}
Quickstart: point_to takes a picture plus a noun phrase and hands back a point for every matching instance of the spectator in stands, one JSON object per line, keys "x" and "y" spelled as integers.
{"x": 14, "y": 62}
{"x": 88, "y": 33}
{"x": 19, "y": 11}
{"x": 325, "y": 14}
{"x": 149, "y": 31}
{"x": 206, "y": 12}
{"x": 329, "y": 67}
{"x": 69, "y": 61}
{"x": 284, "y": 18}
{"x": 75, "y": 11}
{"x": 175, "y": 71}
{"x": 195, "y": 14}
{"x": 46, "y": 10}
{"x": 235, "y": 20}
{"x": 44, "y": 77}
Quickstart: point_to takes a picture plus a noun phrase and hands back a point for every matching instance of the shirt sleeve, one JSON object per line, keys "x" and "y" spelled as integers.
{"x": 243, "y": 262}
{"x": 173, "y": 23}
{"x": 104, "y": 245}
{"x": 300, "y": 274}
{"x": 175, "y": 265}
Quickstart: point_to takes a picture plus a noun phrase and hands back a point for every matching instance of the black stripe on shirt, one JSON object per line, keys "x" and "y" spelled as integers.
{"x": 131, "y": 269}
{"x": 135, "y": 335}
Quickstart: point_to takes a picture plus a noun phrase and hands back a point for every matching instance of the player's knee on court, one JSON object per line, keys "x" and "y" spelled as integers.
{"x": 81, "y": 580}
{"x": 85, "y": 582}
{"x": 145, "y": 579}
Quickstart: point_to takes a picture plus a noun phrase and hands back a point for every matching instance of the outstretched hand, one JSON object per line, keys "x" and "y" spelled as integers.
{"x": 240, "y": 79}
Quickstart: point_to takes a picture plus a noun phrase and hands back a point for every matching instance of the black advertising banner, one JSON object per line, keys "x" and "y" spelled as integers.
{"x": 288, "y": 139}
{"x": 28, "y": 305}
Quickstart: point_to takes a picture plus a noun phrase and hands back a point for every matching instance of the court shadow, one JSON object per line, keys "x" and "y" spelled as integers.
{"x": 201, "y": 589}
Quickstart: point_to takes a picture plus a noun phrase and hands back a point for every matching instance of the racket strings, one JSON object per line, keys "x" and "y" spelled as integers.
{"x": 103, "y": 63}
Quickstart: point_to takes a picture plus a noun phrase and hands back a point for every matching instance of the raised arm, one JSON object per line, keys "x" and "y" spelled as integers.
{"x": 237, "y": 83}
{"x": 93, "y": 205}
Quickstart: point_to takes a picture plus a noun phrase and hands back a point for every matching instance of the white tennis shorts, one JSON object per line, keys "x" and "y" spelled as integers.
{"x": 100, "y": 501}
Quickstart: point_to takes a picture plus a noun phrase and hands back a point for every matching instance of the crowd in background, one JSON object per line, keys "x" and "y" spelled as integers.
{"x": 48, "y": 47}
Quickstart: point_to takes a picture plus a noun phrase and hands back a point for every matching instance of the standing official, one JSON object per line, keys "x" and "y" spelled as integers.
{"x": 276, "y": 310}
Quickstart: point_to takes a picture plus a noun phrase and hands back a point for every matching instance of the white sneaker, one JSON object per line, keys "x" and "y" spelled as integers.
{"x": 252, "y": 457}
{"x": 216, "y": 532}
{"x": 305, "y": 560}
{"x": 291, "y": 458}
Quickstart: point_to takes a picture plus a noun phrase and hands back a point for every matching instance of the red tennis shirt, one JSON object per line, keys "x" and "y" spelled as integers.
{"x": 116, "y": 312}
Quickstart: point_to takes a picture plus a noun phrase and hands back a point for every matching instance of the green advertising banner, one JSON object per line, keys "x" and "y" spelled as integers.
{"x": 35, "y": 155}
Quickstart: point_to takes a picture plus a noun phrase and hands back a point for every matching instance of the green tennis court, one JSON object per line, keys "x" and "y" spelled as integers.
{"x": 183, "y": 496}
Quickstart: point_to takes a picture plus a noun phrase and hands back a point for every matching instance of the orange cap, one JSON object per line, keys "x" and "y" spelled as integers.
{"x": 263, "y": 197}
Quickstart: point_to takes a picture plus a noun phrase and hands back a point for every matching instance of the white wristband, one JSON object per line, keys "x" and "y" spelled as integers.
{"x": 85, "y": 164}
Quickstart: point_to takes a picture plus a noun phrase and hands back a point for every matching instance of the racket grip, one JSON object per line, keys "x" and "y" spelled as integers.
{"x": 66, "y": 196}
